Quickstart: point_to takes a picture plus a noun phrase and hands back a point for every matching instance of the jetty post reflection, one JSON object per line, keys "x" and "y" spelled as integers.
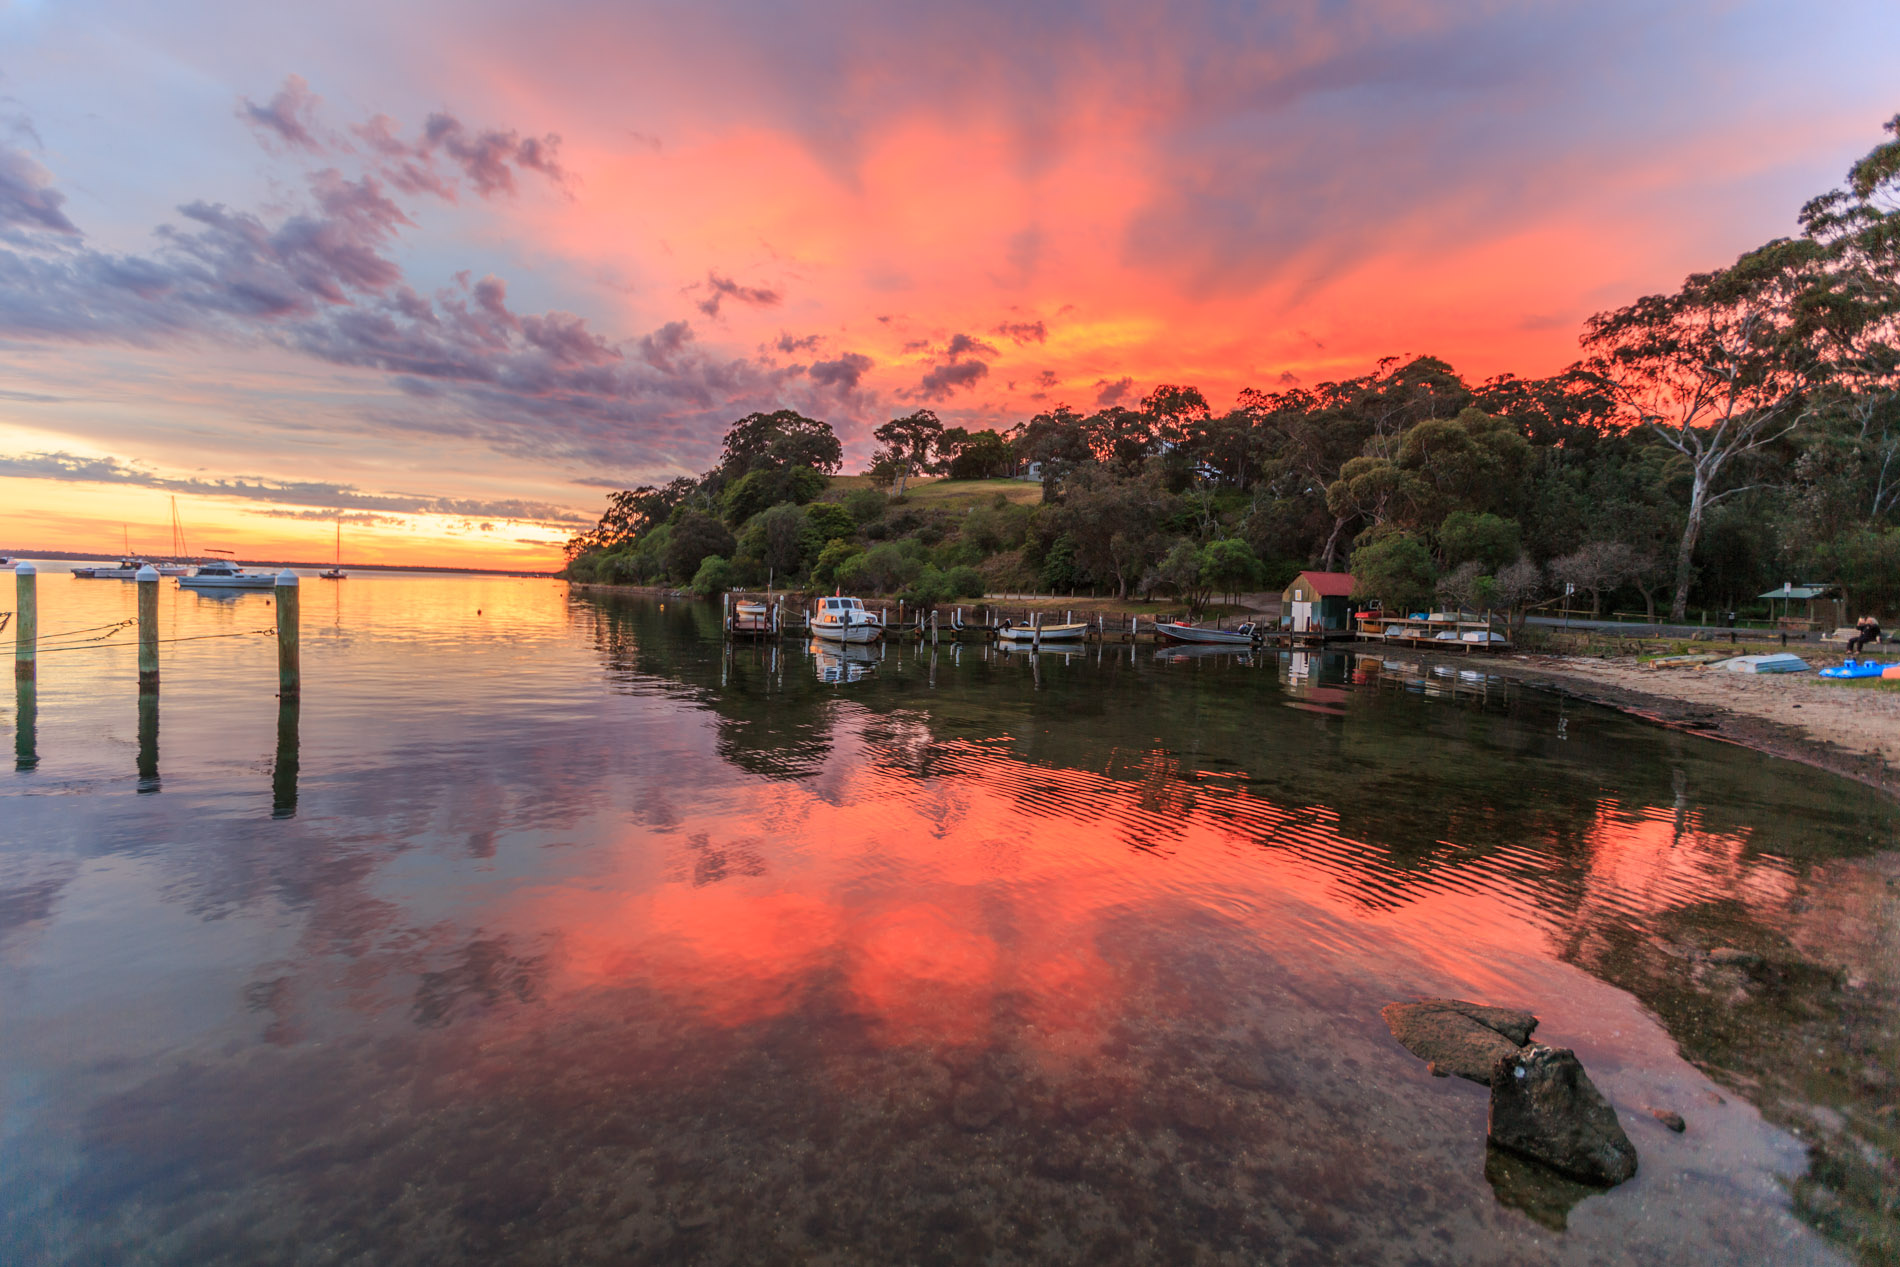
{"x": 148, "y": 741}
{"x": 283, "y": 775}
{"x": 26, "y": 712}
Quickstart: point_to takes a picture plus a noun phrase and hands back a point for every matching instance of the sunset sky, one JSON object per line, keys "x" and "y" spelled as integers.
{"x": 452, "y": 271}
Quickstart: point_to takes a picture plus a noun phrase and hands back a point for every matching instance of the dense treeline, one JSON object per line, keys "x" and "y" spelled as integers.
{"x": 1709, "y": 445}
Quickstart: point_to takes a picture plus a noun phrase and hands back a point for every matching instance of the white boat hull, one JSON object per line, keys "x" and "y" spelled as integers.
{"x": 839, "y": 631}
{"x": 1048, "y": 633}
{"x": 259, "y": 582}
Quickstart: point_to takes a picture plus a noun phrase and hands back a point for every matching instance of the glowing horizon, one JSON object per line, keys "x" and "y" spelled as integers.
{"x": 452, "y": 273}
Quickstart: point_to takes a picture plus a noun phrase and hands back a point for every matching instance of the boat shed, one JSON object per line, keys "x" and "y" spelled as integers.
{"x": 1319, "y": 601}
{"x": 1825, "y": 608}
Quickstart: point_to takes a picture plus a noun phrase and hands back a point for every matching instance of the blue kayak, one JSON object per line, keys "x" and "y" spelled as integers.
{"x": 1856, "y": 668}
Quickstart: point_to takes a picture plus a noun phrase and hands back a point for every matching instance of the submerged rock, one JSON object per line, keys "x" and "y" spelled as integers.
{"x": 1456, "y": 1037}
{"x": 1670, "y": 1118}
{"x": 1544, "y": 1106}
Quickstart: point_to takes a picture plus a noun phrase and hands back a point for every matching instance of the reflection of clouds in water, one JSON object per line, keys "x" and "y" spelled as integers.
{"x": 921, "y": 970}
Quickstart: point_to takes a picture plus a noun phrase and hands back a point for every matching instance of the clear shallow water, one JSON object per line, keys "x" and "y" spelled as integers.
{"x": 548, "y": 931}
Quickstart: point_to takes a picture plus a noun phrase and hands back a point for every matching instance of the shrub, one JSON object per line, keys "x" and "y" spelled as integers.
{"x": 830, "y": 520}
{"x": 865, "y": 504}
{"x": 713, "y": 577}
{"x": 831, "y": 558}
{"x": 965, "y": 582}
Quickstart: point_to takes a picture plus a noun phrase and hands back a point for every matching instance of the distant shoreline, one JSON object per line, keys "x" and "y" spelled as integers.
{"x": 320, "y": 565}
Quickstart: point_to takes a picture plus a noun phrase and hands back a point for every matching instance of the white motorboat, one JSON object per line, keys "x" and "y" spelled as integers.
{"x": 222, "y": 574}
{"x": 1181, "y": 631}
{"x": 841, "y": 619}
{"x": 1042, "y": 633}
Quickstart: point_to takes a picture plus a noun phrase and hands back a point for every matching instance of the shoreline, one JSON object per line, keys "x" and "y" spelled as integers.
{"x": 1854, "y": 733}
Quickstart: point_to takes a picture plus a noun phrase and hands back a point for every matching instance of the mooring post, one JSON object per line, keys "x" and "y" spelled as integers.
{"x": 289, "y": 665}
{"x": 26, "y": 622}
{"x": 148, "y": 630}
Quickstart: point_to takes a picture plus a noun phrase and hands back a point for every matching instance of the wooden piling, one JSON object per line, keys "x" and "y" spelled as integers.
{"x": 148, "y": 630}
{"x": 289, "y": 665}
{"x": 26, "y": 622}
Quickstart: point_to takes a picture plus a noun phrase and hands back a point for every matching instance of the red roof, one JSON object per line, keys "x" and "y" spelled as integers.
{"x": 1329, "y": 584}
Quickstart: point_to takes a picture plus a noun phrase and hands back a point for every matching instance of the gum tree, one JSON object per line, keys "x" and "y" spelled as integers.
{"x": 1717, "y": 371}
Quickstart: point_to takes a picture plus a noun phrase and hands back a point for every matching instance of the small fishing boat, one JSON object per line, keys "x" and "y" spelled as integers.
{"x": 1042, "y": 633}
{"x": 841, "y": 619}
{"x": 123, "y": 570}
{"x": 1181, "y": 631}
{"x": 222, "y": 574}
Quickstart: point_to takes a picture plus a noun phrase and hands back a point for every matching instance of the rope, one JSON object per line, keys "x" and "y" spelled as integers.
{"x": 94, "y": 644}
{"x": 70, "y": 638}
{"x": 61, "y": 633}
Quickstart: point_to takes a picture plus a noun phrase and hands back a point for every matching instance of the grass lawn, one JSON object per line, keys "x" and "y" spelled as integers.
{"x": 934, "y": 494}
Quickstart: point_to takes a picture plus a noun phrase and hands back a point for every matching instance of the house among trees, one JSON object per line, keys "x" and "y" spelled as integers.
{"x": 1319, "y": 600}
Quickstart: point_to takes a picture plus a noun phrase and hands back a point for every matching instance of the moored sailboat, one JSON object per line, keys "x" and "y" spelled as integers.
{"x": 336, "y": 573}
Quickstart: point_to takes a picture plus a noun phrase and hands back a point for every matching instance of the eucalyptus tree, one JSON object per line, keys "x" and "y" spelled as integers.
{"x": 908, "y": 444}
{"x": 1718, "y": 372}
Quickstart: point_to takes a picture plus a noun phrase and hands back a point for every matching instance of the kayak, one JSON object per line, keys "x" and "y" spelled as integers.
{"x": 1860, "y": 669}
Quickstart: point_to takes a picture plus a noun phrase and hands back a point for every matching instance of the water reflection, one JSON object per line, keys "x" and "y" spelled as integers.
{"x": 283, "y": 778}
{"x": 148, "y": 742}
{"x": 26, "y": 711}
{"x": 644, "y": 948}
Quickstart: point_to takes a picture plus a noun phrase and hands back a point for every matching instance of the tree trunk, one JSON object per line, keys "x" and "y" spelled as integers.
{"x": 1332, "y": 543}
{"x": 1685, "y": 554}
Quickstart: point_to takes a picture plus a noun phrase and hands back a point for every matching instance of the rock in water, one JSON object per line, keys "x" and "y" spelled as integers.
{"x": 1544, "y": 1106}
{"x": 1453, "y": 1036}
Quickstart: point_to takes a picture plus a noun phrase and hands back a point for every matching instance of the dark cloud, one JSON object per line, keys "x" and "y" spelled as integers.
{"x": 1288, "y": 378}
{"x": 1047, "y": 378}
{"x": 1114, "y": 393}
{"x": 27, "y": 197}
{"x": 916, "y": 345}
{"x": 843, "y": 373}
{"x": 487, "y": 159}
{"x": 803, "y": 343}
{"x": 961, "y": 345}
{"x": 945, "y": 380}
{"x": 321, "y": 280}
{"x": 289, "y": 120}
{"x": 320, "y": 500}
{"x": 724, "y": 288}
{"x": 1023, "y": 332}
{"x": 31, "y": 398}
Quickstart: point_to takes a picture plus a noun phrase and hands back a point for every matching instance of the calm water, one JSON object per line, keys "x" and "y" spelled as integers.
{"x": 546, "y": 931}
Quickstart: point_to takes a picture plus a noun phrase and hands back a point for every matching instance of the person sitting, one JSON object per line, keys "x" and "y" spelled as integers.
{"x": 1867, "y": 633}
